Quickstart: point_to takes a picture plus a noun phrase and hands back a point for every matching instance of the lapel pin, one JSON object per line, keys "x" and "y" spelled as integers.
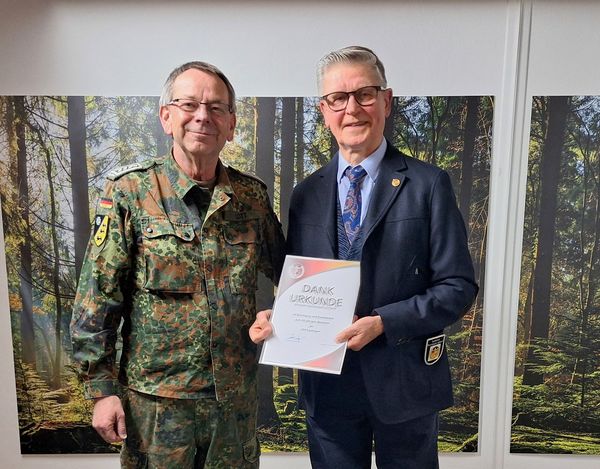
{"x": 395, "y": 182}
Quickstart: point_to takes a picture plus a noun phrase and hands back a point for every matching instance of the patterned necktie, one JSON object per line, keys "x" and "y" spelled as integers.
{"x": 352, "y": 206}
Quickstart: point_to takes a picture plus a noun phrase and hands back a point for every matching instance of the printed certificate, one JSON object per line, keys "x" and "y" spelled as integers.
{"x": 315, "y": 301}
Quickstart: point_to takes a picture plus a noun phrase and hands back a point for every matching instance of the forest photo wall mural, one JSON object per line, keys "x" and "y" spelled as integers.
{"x": 556, "y": 404}
{"x": 55, "y": 153}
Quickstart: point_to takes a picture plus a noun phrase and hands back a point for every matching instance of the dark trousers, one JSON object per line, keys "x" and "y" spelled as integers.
{"x": 345, "y": 430}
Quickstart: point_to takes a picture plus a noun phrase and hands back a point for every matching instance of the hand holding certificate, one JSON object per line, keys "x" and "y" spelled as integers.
{"x": 315, "y": 301}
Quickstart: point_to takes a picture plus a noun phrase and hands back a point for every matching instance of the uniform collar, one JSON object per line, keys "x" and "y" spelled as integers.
{"x": 182, "y": 183}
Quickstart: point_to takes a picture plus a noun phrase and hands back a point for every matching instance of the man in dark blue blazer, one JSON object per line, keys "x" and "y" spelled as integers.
{"x": 399, "y": 218}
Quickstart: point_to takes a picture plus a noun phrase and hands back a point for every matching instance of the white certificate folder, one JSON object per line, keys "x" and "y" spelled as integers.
{"x": 315, "y": 301}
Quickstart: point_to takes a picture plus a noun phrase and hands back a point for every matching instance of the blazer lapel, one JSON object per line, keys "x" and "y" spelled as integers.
{"x": 327, "y": 197}
{"x": 390, "y": 181}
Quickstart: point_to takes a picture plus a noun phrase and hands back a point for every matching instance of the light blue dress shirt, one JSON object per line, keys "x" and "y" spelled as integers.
{"x": 371, "y": 165}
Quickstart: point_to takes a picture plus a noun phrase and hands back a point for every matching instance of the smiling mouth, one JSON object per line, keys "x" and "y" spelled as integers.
{"x": 200, "y": 132}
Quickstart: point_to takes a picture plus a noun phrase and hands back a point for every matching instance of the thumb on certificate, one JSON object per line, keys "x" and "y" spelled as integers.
{"x": 345, "y": 335}
{"x": 261, "y": 329}
{"x": 265, "y": 315}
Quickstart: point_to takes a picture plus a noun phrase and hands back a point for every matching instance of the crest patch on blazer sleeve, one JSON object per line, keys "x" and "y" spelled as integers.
{"x": 434, "y": 347}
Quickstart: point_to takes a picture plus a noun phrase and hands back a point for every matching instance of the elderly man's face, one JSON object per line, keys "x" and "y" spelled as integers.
{"x": 358, "y": 129}
{"x": 203, "y": 132}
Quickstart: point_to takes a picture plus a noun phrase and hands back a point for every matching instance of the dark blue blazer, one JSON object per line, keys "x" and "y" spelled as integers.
{"x": 416, "y": 273}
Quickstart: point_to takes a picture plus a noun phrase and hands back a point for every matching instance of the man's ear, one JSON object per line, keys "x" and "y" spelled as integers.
{"x": 231, "y": 127}
{"x": 165, "y": 119}
{"x": 323, "y": 109}
{"x": 388, "y": 96}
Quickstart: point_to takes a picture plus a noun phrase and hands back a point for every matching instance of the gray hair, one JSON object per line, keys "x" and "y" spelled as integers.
{"x": 351, "y": 55}
{"x": 167, "y": 92}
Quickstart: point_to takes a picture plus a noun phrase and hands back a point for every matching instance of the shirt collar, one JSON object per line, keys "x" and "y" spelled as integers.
{"x": 371, "y": 163}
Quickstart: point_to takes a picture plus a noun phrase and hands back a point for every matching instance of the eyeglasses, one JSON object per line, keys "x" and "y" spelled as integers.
{"x": 191, "y": 106}
{"x": 365, "y": 96}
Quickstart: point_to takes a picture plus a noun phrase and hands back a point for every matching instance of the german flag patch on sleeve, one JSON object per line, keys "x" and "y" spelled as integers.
{"x": 105, "y": 203}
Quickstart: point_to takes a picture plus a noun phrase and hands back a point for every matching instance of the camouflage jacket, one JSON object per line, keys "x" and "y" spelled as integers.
{"x": 184, "y": 287}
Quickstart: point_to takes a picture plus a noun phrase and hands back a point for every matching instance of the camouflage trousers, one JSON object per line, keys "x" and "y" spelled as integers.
{"x": 164, "y": 433}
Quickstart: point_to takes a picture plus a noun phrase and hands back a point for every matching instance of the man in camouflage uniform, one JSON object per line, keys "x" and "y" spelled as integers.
{"x": 176, "y": 247}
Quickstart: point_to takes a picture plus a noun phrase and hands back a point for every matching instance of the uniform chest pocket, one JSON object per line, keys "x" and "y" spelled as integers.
{"x": 242, "y": 248}
{"x": 171, "y": 256}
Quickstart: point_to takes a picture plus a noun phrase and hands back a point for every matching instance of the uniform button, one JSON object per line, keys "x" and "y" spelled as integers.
{"x": 148, "y": 230}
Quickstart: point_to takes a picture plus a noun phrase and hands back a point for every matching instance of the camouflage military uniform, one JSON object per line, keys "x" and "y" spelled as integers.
{"x": 182, "y": 276}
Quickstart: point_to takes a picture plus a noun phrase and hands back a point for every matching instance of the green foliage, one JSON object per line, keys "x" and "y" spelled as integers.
{"x": 535, "y": 440}
{"x": 40, "y": 406}
{"x": 77, "y": 409}
{"x": 568, "y": 359}
{"x": 291, "y": 436}
{"x": 566, "y": 401}
{"x": 459, "y": 429}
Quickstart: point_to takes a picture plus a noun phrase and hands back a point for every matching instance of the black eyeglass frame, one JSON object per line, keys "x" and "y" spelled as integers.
{"x": 377, "y": 88}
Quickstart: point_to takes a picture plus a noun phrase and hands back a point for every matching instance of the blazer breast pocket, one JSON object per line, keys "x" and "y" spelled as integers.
{"x": 406, "y": 241}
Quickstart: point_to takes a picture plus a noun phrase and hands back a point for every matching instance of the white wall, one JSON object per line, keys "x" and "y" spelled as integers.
{"x": 510, "y": 49}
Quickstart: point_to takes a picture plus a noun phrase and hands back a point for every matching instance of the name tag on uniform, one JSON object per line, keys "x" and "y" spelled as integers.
{"x": 434, "y": 347}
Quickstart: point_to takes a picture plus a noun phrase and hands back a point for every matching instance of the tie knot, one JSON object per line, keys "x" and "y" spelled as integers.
{"x": 356, "y": 174}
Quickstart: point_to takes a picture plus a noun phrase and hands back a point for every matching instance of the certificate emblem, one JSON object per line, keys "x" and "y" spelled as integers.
{"x": 434, "y": 347}
{"x": 296, "y": 270}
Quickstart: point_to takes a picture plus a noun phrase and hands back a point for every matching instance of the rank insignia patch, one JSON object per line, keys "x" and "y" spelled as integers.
{"x": 100, "y": 229}
{"x": 434, "y": 347}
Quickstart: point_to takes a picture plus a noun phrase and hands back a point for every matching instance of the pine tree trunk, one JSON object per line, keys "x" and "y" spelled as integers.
{"x": 589, "y": 290}
{"x": 79, "y": 177}
{"x": 265, "y": 169}
{"x": 55, "y": 256}
{"x": 558, "y": 108}
{"x": 466, "y": 179}
{"x": 288, "y": 121}
{"x": 27, "y": 326}
{"x": 299, "y": 139}
{"x": 265, "y": 143}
